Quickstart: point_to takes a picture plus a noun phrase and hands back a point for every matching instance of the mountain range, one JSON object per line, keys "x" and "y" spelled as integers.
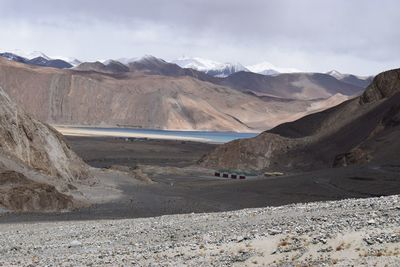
{"x": 42, "y": 61}
{"x": 210, "y": 67}
{"x": 152, "y": 93}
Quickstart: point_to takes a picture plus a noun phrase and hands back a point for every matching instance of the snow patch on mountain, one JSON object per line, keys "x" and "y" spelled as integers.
{"x": 29, "y": 55}
{"x": 211, "y": 67}
{"x": 338, "y": 75}
{"x": 267, "y": 68}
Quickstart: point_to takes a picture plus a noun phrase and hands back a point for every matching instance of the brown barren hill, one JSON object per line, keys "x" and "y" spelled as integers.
{"x": 361, "y": 130}
{"x": 145, "y": 100}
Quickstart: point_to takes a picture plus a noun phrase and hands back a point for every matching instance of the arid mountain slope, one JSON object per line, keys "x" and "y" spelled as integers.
{"x": 291, "y": 85}
{"x": 365, "y": 129}
{"x": 144, "y": 100}
{"x": 354, "y": 80}
{"x": 35, "y": 162}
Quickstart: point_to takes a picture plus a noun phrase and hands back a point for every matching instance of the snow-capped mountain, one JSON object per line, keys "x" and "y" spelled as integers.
{"x": 211, "y": 67}
{"x": 71, "y": 60}
{"x": 200, "y": 64}
{"x": 267, "y": 68}
{"x": 35, "y": 58}
{"x": 125, "y": 60}
{"x": 13, "y": 57}
{"x": 36, "y": 54}
{"x": 30, "y": 55}
{"x": 336, "y": 74}
{"x": 226, "y": 70}
{"x": 362, "y": 81}
{"x": 340, "y": 76}
{"x": 218, "y": 69}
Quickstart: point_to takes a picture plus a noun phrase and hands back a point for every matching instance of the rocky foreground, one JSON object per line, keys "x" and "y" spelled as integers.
{"x": 342, "y": 233}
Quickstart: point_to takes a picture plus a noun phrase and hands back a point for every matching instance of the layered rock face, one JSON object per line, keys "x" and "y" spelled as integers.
{"x": 359, "y": 131}
{"x": 36, "y": 144}
{"x": 35, "y": 162}
{"x": 384, "y": 85}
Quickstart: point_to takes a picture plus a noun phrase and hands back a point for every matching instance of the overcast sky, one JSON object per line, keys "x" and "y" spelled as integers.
{"x": 357, "y": 36}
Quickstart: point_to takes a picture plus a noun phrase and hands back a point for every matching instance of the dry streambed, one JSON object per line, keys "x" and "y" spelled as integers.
{"x": 347, "y": 232}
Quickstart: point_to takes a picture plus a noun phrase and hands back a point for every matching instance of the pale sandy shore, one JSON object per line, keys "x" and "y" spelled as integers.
{"x": 96, "y": 132}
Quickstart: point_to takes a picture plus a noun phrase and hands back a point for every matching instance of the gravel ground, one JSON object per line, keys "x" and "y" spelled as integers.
{"x": 344, "y": 233}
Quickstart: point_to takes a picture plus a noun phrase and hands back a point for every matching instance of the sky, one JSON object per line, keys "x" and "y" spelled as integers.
{"x": 351, "y": 36}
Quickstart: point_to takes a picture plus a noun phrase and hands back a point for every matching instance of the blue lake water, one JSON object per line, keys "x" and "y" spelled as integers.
{"x": 205, "y": 136}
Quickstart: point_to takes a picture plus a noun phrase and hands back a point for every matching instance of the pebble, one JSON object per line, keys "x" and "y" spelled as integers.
{"x": 208, "y": 239}
{"x": 74, "y": 243}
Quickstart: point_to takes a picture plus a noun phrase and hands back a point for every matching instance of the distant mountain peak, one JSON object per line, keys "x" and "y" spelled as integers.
{"x": 29, "y": 55}
{"x": 268, "y": 68}
{"x": 336, "y": 74}
{"x": 36, "y": 58}
{"x": 211, "y": 67}
{"x": 151, "y": 58}
{"x": 36, "y": 54}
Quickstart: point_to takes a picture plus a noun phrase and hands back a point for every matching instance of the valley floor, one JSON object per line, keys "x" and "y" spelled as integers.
{"x": 361, "y": 232}
{"x": 181, "y": 188}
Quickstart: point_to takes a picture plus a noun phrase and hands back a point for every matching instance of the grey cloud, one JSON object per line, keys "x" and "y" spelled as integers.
{"x": 307, "y": 34}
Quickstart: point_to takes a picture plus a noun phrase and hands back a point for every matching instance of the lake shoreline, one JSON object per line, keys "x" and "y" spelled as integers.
{"x": 212, "y": 137}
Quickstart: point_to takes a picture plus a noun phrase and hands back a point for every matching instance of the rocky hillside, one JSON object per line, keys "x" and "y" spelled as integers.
{"x": 142, "y": 99}
{"x": 361, "y": 130}
{"x": 36, "y": 144}
{"x": 35, "y": 162}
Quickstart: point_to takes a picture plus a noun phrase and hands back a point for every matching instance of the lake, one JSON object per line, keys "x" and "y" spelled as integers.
{"x": 199, "y": 136}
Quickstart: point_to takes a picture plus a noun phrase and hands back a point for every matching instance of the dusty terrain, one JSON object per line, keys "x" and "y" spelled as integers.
{"x": 192, "y": 189}
{"x": 363, "y": 232}
{"x": 103, "y": 152}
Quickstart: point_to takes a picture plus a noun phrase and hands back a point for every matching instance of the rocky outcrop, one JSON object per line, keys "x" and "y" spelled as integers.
{"x": 261, "y": 152}
{"x": 355, "y": 156}
{"x": 384, "y": 85}
{"x": 35, "y": 163}
{"x": 358, "y": 131}
{"x": 19, "y": 193}
{"x": 36, "y": 144}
